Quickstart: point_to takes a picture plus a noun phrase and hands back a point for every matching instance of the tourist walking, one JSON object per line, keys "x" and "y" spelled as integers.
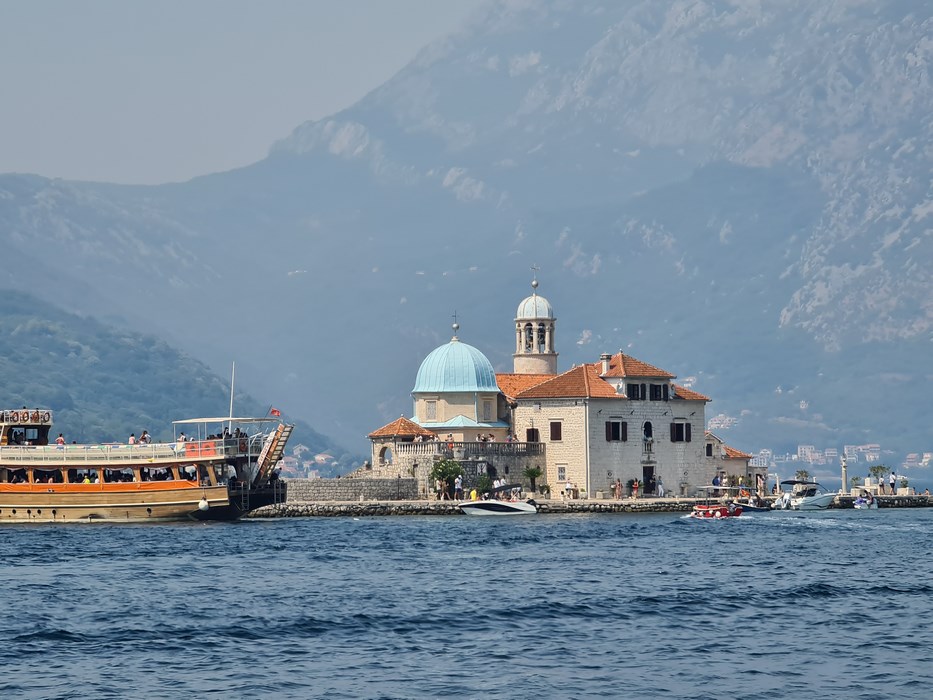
{"x": 892, "y": 480}
{"x": 660, "y": 488}
{"x": 635, "y": 489}
{"x": 458, "y": 488}
{"x": 881, "y": 485}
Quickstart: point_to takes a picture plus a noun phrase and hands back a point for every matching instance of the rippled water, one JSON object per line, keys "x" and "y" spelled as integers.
{"x": 831, "y": 605}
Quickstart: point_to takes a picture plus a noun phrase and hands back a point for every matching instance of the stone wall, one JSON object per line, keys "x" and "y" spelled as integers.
{"x": 303, "y": 490}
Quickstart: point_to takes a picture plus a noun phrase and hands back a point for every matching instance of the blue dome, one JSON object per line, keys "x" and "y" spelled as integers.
{"x": 534, "y": 307}
{"x": 455, "y": 367}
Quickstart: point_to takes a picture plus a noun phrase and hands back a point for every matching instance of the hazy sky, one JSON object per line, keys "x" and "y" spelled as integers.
{"x": 146, "y": 92}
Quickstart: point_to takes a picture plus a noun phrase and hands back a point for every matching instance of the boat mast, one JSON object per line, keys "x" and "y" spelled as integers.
{"x": 232, "y": 379}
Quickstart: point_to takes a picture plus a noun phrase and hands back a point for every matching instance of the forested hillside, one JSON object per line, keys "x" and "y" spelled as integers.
{"x": 103, "y": 383}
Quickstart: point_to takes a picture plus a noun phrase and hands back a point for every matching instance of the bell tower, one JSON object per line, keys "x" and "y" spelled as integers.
{"x": 534, "y": 335}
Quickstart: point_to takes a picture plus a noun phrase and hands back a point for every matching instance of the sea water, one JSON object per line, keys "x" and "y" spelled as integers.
{"x": 829, "y": 605}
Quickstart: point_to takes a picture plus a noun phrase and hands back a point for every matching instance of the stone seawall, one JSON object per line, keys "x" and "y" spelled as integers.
{"x": 300, "y": 507}
{"x": 315, "y": 490}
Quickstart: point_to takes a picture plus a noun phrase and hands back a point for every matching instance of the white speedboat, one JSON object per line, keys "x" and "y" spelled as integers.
{"x": 494, "y": 507}
{"x": 804, "y": 495}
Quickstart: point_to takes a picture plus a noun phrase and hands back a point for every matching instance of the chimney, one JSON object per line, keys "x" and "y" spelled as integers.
{"x": 605, "y": 357}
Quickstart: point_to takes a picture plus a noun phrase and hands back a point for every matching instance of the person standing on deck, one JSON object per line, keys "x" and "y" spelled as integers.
{"x": 892, "y": 480}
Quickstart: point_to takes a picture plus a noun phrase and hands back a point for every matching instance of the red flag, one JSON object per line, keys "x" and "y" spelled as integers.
{"x": 275, "y": 412}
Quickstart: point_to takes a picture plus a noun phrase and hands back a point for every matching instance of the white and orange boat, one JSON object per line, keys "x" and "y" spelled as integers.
{"x": 206, "y": 476}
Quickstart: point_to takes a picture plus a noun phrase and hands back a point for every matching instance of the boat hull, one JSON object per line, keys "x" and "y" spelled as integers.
{"x": 716, "y": 512}
{"x": 498, "y": 508}
{"x": 821, "y": 502}
{"x": 128, "y": 502}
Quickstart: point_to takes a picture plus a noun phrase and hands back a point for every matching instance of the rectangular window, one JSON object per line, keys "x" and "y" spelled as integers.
{"x": 636, "y": 392}
{"x": 656, "y": 392}
{"x": 487, "y": 411}
{"x": 531, "y": 435}
{"x": 616, "y": 431}
{"x": 555, "y": 431}
{"x": 561, "y": 472}
{"x": 430, "y": 410}
{"x": 709, "y": 450}
{"x": 680, "y": 432}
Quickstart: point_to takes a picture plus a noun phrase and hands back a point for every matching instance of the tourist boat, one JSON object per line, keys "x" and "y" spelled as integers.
{"x": 208, "y": 476}
{"x": 494, "y": 506}
{"x": 804, "y": 495}
{"x": 711, "y": 508}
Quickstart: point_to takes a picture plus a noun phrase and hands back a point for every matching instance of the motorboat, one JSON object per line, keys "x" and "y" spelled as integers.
{"x": 494, "y": 507}
{"x": 751, "y": 502}
{"x": 492, "y": 504}
{"x": 804, "y": 495}
{"x": 712, "y": 508}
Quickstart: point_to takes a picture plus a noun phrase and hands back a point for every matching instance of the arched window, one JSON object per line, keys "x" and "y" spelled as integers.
{"x": 648, "y": 430}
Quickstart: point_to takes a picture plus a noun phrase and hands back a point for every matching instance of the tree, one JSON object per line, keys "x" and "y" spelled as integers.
{"x": 446, "y": 470}
{"x": 483, "y": 483}
{"x": 532, "y": 474}
{"x": 878, "y": 472}
{"x": 802, "y": 475}
{"x": 856, "y": 481}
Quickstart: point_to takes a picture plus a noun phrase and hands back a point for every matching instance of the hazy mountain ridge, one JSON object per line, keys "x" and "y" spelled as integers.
{"x": 742, "y": 177}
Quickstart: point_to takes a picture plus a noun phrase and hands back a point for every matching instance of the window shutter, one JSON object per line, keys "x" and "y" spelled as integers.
{"x": 624, "y": 431}
{"x": 608, "y": 431}
{"x": 673, "y": 432}
{"x": 665, "y": 392}
{"x": 687, "y": 432}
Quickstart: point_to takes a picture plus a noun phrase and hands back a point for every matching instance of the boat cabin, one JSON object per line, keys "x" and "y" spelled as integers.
{"x": 25, "y": 426}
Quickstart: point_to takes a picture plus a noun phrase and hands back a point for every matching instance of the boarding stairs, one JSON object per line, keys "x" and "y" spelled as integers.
{"x": 271, "y": 453}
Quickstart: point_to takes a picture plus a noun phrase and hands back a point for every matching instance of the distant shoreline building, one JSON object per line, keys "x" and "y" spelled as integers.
{"x": 617, "y": 419}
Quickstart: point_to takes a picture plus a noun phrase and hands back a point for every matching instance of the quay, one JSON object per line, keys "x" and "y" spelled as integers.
{"x": 385, "y": 507}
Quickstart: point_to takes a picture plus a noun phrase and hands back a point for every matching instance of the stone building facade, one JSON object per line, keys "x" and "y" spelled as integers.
{"x": 618, "y": 419}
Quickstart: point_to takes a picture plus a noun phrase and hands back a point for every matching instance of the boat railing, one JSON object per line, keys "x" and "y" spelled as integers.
{"x": 119, "y": 453}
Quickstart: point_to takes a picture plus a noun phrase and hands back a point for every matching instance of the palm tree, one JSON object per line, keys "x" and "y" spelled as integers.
{"x": 532, "y": 474}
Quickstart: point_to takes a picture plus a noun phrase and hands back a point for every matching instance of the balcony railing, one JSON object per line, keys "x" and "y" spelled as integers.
{"x": 471, "y": 449}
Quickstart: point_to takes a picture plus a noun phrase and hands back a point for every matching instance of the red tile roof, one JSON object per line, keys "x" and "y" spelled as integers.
{"x": 580, "y": 382}
{"x": 682, "y": 392}
{"x": 513, "y": 384}
{"x": 400, "y": 427}
{"x": 732, "y": 453}
{"x": 622, "y": 365}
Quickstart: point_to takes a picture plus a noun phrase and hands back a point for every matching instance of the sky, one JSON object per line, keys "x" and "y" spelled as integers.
{"x": 137, "y": 92}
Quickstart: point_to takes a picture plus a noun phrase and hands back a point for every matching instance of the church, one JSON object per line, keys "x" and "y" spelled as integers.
{"x": 615, "y": 419}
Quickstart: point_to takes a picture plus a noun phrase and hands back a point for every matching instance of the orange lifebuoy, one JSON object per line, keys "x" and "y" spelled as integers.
{"x": 46, "y": 417}
{"x": 14, "y": 416}
{"x": 242, "y": 445}
{"x": 35, "y": 416}
{"x": 743, "y": 493}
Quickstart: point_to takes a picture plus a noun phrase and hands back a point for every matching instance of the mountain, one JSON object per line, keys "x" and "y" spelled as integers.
{"x": 737, "y": 191}
{"x": 103, "y": 383}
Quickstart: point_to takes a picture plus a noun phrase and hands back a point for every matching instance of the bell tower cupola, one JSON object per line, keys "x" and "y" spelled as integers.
{"x": 534, "y": 335}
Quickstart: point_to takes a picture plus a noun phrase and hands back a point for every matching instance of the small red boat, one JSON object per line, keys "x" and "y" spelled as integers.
{"x": 716, "y": 511}
{"x": 711, "y": 508}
